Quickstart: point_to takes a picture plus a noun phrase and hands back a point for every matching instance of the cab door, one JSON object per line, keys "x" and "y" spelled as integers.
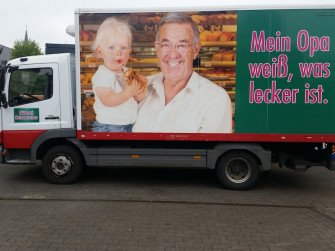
{"x": 33, "y": 102}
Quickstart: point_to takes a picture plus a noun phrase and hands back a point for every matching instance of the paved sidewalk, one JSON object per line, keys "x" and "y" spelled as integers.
{"x": 116, "y": 225}
{"x": 145, "y": 209}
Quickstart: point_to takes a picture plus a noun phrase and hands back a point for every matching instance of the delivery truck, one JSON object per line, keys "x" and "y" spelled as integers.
{"x": 260, "y": 93}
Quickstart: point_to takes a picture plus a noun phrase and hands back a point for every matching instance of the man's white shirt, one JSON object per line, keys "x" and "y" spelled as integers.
{"x": 200, "y": 107}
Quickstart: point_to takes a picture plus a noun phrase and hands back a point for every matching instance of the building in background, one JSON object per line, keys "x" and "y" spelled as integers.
{"x": 5, "y": 54}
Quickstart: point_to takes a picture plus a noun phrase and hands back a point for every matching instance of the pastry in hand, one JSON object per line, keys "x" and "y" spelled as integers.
{"x": 129, "y": 75}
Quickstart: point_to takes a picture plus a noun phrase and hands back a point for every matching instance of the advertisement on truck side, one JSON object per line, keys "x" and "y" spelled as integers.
{"x": 255, "y": 71}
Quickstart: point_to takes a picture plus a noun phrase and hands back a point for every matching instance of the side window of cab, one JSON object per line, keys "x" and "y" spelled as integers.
{"x": 29, "y": 86}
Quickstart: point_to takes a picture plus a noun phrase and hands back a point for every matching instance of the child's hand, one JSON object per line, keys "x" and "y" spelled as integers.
{"x": 143, "y": 82}
{"x": 143, "y": 91}
{"x": 134, "y": 89}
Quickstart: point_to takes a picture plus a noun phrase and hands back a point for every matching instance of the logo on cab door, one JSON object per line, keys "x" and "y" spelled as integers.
{"x": 26, "y": 115}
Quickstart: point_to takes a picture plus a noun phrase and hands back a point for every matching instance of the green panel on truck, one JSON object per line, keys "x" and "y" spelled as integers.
{"x": 284, "y": 63}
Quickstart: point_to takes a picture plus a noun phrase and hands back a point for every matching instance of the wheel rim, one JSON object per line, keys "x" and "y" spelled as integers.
{"x": 61, "y": 165}
{"x": 238, "y": 170}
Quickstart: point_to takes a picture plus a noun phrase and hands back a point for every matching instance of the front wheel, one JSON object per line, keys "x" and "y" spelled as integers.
{"x": 62, "y": 165}
{"x": 238, "y": 170}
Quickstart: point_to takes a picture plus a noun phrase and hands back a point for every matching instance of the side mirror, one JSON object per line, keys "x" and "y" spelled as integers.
{"x": 3, "y": 100}
{"x": 2, "y": 78}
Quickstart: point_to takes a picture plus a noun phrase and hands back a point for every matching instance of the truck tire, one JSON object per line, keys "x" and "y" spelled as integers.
{"x": 238, "y": 170}
{"x": 62, "y": 165}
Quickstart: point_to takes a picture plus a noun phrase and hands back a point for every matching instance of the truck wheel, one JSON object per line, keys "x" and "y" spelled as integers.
{"x": 62, "y": 165}
{"x": 238, "y": 170}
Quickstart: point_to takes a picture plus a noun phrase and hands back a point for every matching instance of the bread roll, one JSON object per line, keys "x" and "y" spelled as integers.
{"x": 129, "y": 75}
{"x": 204, "y": 35}
{"x": 215, "y": 36}
{"x": 224, "y": 55}
{"x": 200, "y": 19}
{"x": 226, "y": 36}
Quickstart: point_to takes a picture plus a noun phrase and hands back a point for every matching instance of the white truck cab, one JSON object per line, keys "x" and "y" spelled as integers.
{"x": 37, "y": 97}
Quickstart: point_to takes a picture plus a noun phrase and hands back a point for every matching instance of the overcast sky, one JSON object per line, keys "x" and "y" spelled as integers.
{"x": 46, "y": 20}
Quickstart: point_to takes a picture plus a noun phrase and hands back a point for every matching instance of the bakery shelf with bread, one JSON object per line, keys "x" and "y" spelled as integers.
{"x": 218, "y": 44}
{"x": 217, "y": 30}
{"x": 88, "y": 114}
{"x": 218, "y": 64}
{"x": 219, "y": 57}
{"x": 219, "y": 18}
{"x": 84, "y": 65}
{"x": 218, "y": 74}
{"x": 217, "y": 36}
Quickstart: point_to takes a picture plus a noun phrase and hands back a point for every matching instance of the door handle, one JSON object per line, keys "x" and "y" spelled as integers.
{"x": 52, "y": 117}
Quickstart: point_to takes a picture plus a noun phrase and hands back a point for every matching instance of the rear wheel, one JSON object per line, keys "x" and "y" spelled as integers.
{"x": 62, "y": 165}
{"x": 238, "y": 170}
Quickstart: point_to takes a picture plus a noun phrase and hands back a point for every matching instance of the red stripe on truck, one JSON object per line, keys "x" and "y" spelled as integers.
{"x": 234, "y": 137}
{"x": 20, "y": 139}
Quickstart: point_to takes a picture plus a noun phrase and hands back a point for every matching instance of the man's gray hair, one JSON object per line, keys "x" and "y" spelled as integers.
{"x": 181, "y": 18}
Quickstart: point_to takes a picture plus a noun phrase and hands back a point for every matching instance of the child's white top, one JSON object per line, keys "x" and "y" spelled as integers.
{"x": 122, "y": 114}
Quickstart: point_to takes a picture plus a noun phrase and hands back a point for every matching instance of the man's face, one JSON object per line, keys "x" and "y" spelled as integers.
{"x": 176, "y": 66}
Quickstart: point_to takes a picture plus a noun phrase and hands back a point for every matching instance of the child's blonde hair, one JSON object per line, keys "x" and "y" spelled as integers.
{"x": 120, "y": 25}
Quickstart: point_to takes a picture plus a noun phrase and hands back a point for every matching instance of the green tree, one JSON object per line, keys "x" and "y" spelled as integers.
{"x": 24, "y": 48}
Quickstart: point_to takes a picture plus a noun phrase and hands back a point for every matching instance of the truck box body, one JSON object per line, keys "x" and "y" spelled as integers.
{"x": 275, "y": 65}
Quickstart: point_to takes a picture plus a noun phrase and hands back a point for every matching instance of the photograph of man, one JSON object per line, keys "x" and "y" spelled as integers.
{"x": 179, "y": 99}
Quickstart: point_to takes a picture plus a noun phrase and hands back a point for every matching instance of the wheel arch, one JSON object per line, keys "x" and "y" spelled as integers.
{"x": 262, "y": 155}
{"x": 50, "y": 139}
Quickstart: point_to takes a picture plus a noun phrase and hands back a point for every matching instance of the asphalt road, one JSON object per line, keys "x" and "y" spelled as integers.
{"x": 166, "y": 209}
